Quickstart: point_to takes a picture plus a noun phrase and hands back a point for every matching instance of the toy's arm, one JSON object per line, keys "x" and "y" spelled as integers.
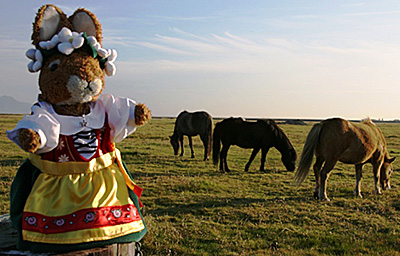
{"x": 37, "y": 132}
{"x": 29, "y": 140}
{"x": 142, "y": 114}
{"x": 124, "y": 115}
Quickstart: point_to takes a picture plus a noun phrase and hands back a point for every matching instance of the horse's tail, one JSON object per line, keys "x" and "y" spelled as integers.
{"x": 209, "y": 134}
{"x": 216, "y": 144}
{"x": 307, "y": 154}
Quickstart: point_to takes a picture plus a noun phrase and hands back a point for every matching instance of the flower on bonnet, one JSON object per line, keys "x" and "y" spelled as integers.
{"x": 36, "y": 56}
{"x": 67, "y": 41}
{"x": 109, "y": 54}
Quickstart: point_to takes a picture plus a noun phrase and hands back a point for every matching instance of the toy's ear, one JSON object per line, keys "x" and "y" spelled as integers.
{"x": 48, "y": 22}
{"x": 84, "y": 21}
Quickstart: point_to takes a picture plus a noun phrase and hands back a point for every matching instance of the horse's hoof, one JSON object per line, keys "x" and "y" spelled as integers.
{"x": 356, "y": 194}
{"x": 325, "y": 199}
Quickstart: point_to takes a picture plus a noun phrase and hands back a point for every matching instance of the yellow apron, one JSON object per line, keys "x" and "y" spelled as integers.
{"x": 77, "y": 202}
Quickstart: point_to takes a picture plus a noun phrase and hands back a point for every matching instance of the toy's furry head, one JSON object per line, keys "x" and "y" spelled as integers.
{"x": 67, "y": 77}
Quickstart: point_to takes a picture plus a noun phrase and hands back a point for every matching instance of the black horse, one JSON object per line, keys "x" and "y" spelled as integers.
{"x": 192, "y": 124}
{"x": 262, "y": 134}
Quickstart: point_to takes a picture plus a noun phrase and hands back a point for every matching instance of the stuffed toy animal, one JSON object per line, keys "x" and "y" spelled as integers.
{"x": 74, "y": 192}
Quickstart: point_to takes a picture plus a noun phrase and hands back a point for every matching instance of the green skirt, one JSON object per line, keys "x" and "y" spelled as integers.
{"x": 20, "y": 190}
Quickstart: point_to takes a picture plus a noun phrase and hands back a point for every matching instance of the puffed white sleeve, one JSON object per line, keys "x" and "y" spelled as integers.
{"x": 121, "y": 116}
{"x": 42, "y": 122}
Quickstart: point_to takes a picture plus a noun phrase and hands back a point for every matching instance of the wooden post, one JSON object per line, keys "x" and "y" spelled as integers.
{"x": 8, "y": 245}
{"x": 8, "y": 235}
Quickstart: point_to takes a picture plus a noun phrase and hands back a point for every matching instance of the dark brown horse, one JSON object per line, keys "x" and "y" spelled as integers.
{"x": 335, "y": 140}
{"x": 192, "y": 124}
{"x": 262, "y": 134}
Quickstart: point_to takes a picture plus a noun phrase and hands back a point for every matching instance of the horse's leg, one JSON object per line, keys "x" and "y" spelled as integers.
{"x": 317, "y": 169}
{"x": 181, "y": 142}
{"x": 206, "y": 146}
{"x": 324, "y": 175}
{"x": 376, "y": 167}
{"x": 253, "y": 155}
{"x": 357, "y": 190}
{"x": 223, "y": 166}
{"x": 264, "y": 152}
{"x": 191, "y": 145}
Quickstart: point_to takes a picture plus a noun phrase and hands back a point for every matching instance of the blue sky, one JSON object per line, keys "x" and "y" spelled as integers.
{"x": 276, "y": 59}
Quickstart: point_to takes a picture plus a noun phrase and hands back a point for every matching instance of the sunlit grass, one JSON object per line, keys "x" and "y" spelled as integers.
{"x": 193, "y": 209}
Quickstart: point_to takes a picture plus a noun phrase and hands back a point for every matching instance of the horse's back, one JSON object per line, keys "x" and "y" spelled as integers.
{"x": 348, "y": 142}
{"x": 193, "y": 123}
{"x": 203, "y": 122}
{"x": 245, "y": 134}
{"x": 201, "y": 118}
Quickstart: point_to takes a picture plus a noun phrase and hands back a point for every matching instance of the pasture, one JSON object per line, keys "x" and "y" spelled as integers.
{"x": 193, "y": 209}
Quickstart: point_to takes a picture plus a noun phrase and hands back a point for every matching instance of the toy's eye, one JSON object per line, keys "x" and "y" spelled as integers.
{"x": 53, "y": 66}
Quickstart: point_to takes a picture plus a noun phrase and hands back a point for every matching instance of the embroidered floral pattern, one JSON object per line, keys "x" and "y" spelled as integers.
{"x": 83, "y": 219}
{"x": 63, "y": 158}
{"x": 59, "y": 222}
{"x": 61, "y": 145}
{"x": 117, "y": 213}
{"x": 90, "y": 216}
{"x": 31, "y": 220}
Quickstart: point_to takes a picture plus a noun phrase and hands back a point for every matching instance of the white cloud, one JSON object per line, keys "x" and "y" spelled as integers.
{"x": 162, "y": 48}
{"x": 177, "y": 18}
{"x": 189, "y": 44}
{"x": 187, "y": 34}
{"x": 384, "y": 13}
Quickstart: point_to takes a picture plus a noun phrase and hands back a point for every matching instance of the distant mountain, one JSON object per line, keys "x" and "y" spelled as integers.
{"x": 9, "y": 105}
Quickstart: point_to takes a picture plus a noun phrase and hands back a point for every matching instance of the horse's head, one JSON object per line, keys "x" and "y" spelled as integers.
{"x": 386, "y": 171}
{"x": 283, "y": 144}
{"x": 289, "y": 160}
{"x": 175, "y": 143}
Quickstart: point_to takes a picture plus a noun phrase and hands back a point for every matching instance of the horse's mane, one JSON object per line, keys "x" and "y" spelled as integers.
{"x": 367, "y": 120}
{"x": 279, "y": 132}
{"x": 275, "y": 128}
{"x": 182, "y": 113}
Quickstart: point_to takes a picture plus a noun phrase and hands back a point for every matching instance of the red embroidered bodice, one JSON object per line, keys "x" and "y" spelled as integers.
{"x": 94, "y": 143}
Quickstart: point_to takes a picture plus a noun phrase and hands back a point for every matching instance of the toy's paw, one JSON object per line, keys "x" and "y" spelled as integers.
{"x": 142, "y": 114}
{"x": 29, "y": 140}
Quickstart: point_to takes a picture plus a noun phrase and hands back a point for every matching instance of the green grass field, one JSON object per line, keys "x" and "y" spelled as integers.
{"x": 193, "y": 209}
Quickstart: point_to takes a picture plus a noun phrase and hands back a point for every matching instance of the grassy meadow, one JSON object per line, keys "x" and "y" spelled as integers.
{"x": 193, "y": 209}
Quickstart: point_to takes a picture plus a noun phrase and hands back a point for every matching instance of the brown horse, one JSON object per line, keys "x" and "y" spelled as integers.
{"x": 192, "y": 124}
{"x": 335, "y": 140}
{"x": 263, "y": 134}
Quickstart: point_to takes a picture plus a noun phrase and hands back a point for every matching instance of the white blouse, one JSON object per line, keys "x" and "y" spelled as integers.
{"x": 49, "y": 125}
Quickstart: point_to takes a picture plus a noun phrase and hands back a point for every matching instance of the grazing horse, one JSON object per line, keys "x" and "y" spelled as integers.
{"x": 192, "y": 124}
{"x": 335, "y": 140}
{"x": 262, "y": 134}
